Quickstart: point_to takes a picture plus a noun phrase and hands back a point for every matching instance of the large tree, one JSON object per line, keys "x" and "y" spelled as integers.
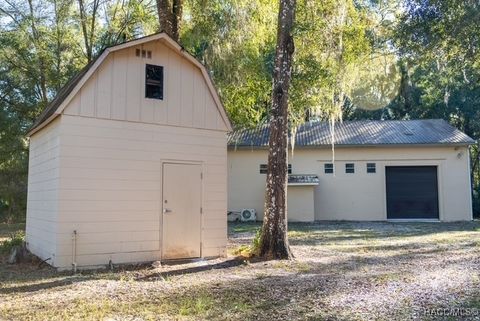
{"x": 43, "y": 43}
{"x": 237, "y": 42}
{"x": 439, "y": 40}
{"x": 273, "y": 238}
{"x": 170, "y": 16}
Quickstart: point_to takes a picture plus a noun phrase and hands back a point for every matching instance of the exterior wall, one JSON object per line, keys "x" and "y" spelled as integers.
{"x": 117, "y": 91}
{"x": 301, "y": 203}
{"x": 42, "y": 201}
{"x": 97, "y": 169}
{"x": 358, "y": 196}
{"x": 111, "y": 188}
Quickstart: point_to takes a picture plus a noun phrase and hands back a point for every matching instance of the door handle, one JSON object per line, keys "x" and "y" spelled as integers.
{"x": 166, "y": 210}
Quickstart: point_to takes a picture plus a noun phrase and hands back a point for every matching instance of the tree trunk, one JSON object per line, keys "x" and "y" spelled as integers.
{"x": 177, "y": 18}
{"x": 40, "y": 56}
{"x": 170, "y": 17}
{"x": 83, "y": 23}
{"x": 88, "y": 33}
{"x": 274, "y": 239}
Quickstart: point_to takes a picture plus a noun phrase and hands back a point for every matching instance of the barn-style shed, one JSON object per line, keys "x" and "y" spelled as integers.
{"x": 129, "y": 161}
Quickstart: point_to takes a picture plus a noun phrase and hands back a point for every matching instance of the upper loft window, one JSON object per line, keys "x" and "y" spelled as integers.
{"x": 154, "y": 82}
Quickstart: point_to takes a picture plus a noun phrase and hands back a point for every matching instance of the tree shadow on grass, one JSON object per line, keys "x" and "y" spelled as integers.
{"x": 66, "y": 278}
{"x": 290, "y": 294}
{"x": 29, "y": 277}
{"x": 363, "y": 229}
{"x": 42, "y": 286}
{"x": 194, "y": 269}
{"x": 15, "y": 279}
{"x": 312, "y": 295}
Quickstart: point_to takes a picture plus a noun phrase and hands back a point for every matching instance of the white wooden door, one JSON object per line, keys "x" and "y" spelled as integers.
{"x": 182, "y": 192}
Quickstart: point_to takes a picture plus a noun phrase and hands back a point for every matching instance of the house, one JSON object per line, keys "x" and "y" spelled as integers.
{"x": 129, "y": 162}
{"x": 383, "y": 170}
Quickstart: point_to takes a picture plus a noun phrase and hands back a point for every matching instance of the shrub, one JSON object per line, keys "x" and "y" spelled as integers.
{"x": 251, "y": 250}
{"x": 256, "y": 241}
{"x": 15, "y": 239}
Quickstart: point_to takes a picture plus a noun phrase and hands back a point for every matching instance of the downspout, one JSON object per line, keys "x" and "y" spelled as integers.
{"x": 74, "y": 251}
{"x": 470, "y": 178}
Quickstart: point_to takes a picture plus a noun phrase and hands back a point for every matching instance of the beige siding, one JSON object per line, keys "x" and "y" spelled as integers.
{"x": 110, "y": 188}
{"x": 117, "y": 91}
{"x": 358, "y": 196}
{"x": 43, "y": 181}
{"x": 301, "y": 203}
{"x": 96, "y": 169}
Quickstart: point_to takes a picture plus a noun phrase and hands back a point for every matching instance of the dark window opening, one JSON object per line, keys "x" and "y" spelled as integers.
{"x": 154, "y": 82}
{"x": 350, "y": 168}
{"x": 328, "y": 168}
{"x": 371, "y": 168}
{"x": 137, "y": 52}
{"x": 264, "y": 168}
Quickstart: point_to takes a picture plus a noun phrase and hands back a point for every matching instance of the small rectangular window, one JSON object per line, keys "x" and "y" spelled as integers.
{"x": 328, "y": 168}
{"x": 350, "y": 168}
{"x": 264, "y": 169}
{"x": 371, "y": 168}
{"x": 154, "y": 82}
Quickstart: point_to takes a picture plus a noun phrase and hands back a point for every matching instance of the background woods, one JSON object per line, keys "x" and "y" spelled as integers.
{"x": 423, "y": 59}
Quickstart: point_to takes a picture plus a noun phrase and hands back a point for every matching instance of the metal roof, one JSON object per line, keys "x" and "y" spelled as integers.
{"x": 361, "y": 132}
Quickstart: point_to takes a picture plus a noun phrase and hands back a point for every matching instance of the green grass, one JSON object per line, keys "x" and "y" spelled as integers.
{"x": 199, "y": 305}
{"x": 196, "y": 303}
{"x": 243, "y": 227}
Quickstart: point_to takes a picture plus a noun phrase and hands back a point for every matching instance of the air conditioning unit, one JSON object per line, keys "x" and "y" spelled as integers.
{"x": 248, "y": 215}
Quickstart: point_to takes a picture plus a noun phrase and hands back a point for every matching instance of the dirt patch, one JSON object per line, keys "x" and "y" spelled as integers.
{"x": 341, "y": 271}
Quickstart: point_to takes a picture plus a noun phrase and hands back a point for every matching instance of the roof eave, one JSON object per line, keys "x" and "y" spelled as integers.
{"x": 466, "y": 144}
{"x": 41, "y": 125}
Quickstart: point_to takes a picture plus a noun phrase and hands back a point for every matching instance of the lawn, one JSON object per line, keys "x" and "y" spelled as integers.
{"x": 341, "y": 271}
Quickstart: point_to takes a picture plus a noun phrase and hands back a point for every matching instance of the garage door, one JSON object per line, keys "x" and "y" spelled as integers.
{"x": 412, "y": 192}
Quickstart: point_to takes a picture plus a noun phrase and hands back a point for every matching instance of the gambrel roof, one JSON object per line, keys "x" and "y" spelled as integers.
{"x": 66, "y": 94}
